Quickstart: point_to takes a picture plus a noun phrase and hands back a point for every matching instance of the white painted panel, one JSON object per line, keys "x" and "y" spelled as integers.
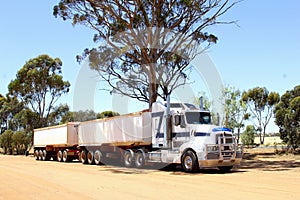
{"x": 56, "y": 135}
{"x": 126, "y": 128}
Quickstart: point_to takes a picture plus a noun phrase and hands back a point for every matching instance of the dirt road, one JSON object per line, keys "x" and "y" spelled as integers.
{"x": 24, "y": 178}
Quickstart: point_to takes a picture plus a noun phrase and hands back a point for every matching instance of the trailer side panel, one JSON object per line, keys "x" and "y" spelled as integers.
{"x": 62, "y": 135}
{"x": 120, "y": 130}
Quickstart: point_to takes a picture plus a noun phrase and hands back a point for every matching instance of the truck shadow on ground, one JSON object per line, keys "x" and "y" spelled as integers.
{"x": 170, "y": 169}
{"x": 268, "y": 162}
{"x": 251, "y": 161}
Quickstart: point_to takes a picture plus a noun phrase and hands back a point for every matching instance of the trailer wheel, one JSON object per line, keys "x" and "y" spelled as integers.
{"x": 140, "y": 158}
{"x": 98, "y": 157}
{"x": 36, "y": 154}
{"x": 90, "y": 157}
{"x": 128, "y": 158}
{"x": 225, "y": 168}
{"x": 44, "y": 155}
{"x": 83, "y": 156}
{"x": 40, "y": 155}
{"x": 189, "y": 162}
{"x": 59, "y": 156}
{"x": 65, "y": 157}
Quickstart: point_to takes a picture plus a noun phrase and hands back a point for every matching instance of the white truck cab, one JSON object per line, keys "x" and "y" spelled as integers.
{"x": 187, "y": 136}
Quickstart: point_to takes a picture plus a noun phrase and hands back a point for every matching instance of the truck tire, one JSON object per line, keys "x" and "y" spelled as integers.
{"x": 128, "y": 158}
{"x": 83, "y": 156}
{"x": 40, "y": 155}
{"x": 90, "y": 157}
{"x": 225, "y": 168}
{"x": 189, "y": 162}
{"x": 44, "y": 155}
{"x": 98, "y": 157}
{"x": 65, "y": 157}
{"x": 139, "y": 160}
{"x": 59, "y": 156}
{"x": 36, "y": 154}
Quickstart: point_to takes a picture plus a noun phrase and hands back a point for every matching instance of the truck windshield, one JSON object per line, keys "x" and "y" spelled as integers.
{"x": 198, "y": 118}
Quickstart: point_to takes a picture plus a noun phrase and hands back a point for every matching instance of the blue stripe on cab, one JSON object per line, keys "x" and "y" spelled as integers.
{"x": 201, "y": 134}
{"x": 183, "y": 134}
{"x": 221, "y": 129}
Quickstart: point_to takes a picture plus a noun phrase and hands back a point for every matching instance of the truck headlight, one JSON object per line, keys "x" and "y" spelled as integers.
{"x": 209, "y": 148}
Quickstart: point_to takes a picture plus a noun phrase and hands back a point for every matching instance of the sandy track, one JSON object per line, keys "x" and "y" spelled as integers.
{"x": 24, "y": 178}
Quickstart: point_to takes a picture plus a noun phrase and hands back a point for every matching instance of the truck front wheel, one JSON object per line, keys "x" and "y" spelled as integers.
{"x": 189, "y": 162}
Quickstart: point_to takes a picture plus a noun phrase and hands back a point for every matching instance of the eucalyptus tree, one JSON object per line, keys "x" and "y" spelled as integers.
{"x": 287, "y": 117}
{"x": 236, "y": 110}
{"x": 9, "y": 108}
{"x": 147, "y": 45}
{"x": 39, "y": 84}
{"x": 261, "y": 104}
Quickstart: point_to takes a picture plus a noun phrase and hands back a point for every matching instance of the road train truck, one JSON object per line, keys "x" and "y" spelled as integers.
{"x": 178, "y": 133}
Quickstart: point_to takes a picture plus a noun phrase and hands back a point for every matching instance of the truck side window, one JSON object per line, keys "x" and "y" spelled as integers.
{"x": 156, "y": 125}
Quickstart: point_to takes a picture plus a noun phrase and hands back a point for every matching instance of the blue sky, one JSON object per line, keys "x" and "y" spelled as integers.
{"x": 262, "y": 51}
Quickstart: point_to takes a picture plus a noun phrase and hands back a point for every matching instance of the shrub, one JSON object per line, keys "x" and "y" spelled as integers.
{"x": 248, "y": 135}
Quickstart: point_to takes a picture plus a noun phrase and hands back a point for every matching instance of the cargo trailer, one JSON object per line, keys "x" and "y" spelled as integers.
{"x": 169, "y": 133}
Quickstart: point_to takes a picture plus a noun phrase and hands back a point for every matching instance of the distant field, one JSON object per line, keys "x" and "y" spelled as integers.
{"x": 269, "y": 141}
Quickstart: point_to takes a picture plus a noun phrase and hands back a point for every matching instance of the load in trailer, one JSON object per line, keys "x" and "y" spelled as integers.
{"x": 169, "y": 133}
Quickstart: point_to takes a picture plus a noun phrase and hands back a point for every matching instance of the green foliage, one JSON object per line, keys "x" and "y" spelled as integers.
{"x": 106, "y": 114}
{"x": 235, "y": 110}
{"x": 149, "y": 43}
{"x": 261, "y": 104}
{"x": 27, "y": 119}
{"x": 6, "y": 140}
{"x": 9, "y": 108}
{"x": 21, "y": 141}
{"x": 207, "y": 105}
{"x": 206, "y": 102}
{"x": 18, "y": 141}
{"x": 60, "y": 115}
{"x": 248, "y": 135}
{"x": 81, "y": 116}
{"x": 287, "y": 117}
{"x": 39, "y": 85}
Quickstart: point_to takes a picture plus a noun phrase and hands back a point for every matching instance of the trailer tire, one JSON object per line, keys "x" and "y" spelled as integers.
{"x": 59, "y": 156}
{"x": 36, "y": 154}
{"x": 225, "y": 169}
{"x": 189, "y": 162}
{"x": 98, "y": 157}
{"x": 40, "y": 155}
{"x": 128, "y": 158}
{"x": 90, "y": 157}
{"x": 65, "y": 157}
{"x": 139, "y": 159}
{"x": 44, "y": 155}
{"x": 83, "y": 157}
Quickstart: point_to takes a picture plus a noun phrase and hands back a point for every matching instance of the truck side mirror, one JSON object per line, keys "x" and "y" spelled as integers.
{"x": 177, "y": 120}
{"x": 182, "y": 122}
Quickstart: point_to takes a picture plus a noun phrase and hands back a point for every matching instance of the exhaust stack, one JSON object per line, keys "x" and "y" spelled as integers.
{"x": 201, "y": 106}
{"x": 167, "y": 128}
